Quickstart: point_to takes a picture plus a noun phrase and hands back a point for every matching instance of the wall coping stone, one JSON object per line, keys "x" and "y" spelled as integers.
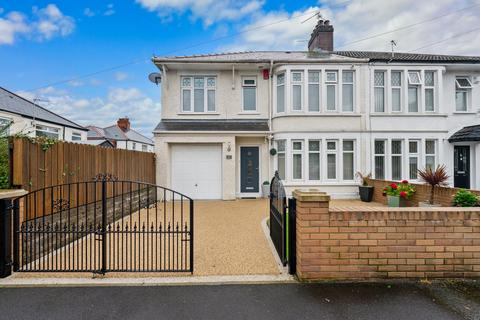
{"x": 310, "y": 195}
{"x": 12, "y": 193}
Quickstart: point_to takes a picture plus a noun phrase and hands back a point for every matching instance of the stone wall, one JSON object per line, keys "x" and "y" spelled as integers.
{"x": 443, "y": 195}
{"x": 373, "y": 243}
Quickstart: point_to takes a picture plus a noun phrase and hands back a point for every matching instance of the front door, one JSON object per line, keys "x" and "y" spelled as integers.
{"x": 249, "y": 173}
{"x": 461, "y": 175}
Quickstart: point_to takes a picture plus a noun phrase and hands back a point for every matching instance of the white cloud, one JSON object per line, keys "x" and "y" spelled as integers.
{"x": 120, "y": 76}
{"x": 358, "y": 19}
{"x": 88, "y": 12}
{"x": 75, "y": 83}
{"x": 44, "y": 24}
{"x": 110, "y": 10}
{"x": 209, "y": 11}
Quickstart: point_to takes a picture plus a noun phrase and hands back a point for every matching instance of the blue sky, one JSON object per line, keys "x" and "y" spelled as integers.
{"x": 44, "y": 42}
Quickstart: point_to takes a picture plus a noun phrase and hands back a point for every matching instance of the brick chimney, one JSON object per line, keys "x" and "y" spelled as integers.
{"x": 124, "y": 124}
{"x": 321, "y": 38}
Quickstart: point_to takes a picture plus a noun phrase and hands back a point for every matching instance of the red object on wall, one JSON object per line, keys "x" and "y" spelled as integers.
{"x": 266, "y": 74}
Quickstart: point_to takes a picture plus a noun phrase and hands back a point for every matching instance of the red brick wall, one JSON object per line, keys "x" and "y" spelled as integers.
{"x": 443, "y": 195}
{"x": 386, "y": 242}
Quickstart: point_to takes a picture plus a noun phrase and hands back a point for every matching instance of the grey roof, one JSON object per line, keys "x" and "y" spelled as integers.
{"x": 318, "y": 56}
{"x": 115, "y": 133}
{"x": 470, "y": 133}
{"x": 213, "y": 125}
{"x": 11, "y": 102}
{"x": 99, "y": 142}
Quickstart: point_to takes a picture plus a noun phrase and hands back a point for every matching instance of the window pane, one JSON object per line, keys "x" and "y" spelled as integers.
{"x": 396, "y": 167}
{"x": 347, "y": 97}
{"x": 413, "y": 146}
{"x": 313, "y": 97}
{"x": 297, "y": 145}
{"x": 297, "y": 76}
{"x": 379, "y": 167}
{"x": 430, "y": 146}
{"x": 347, "y": 76}
{"x": 281, "y": 145}
{"x": 429, "y": 78}
{"x": 198, "y": 99}
{"x": 249, "y": 96}
{"x": 280, "y": 78}
{"x": 412, "y": 99}
{"x": 297, "y": 166}
{"x": 396, "y": 79}
{"x": 429, "y": 100}
{"x": 314, "y": 76}
{"x": 314, "y": 166}
{"x": 348, "y": 166}
{"x": 396, "y": 147}
{"x": 347, "y": 145}
{"x": 331, "y": 97}
{"x": 314, "y": 145}
{"x": 186, "y": 82}
{"x": 297, "y": 97}
{"x": 331, "y": 76}
{"x": 249, "y": 82}
{"x": 281, "y": 165}
{"x": 379, "y": 78}
{"x": 430, "y": 162}
{"x": 211, "y": 82}
{"x": 414, "y": 77}
{"x": 331, "y": 145}
{"x": 379, "y": 147}
{"x": 211, "y": 100}
{"x": 396, "y": 99}
{"x": 199, "y": 82}
{"x": 379, "y": 100}
{"x": 413, "y": 167}
{"x": 464, "y": 82}
{"x": 187, "y": 100}
{"x": 461, "y": 100}
{"x": 331, "y": 166}
{"x": 281, "y": 98}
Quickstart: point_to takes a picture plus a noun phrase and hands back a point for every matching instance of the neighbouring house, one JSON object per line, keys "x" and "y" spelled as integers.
{"x": 120, "y": 136}
{"x": 230, "y": 120}
{"x": 27, "y": 117}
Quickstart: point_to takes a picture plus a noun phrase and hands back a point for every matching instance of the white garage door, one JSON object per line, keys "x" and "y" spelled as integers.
{"x": 197, "y": 170}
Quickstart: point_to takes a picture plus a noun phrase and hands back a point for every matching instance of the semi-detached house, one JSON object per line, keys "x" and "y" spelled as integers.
{"x": 230, "y": 120}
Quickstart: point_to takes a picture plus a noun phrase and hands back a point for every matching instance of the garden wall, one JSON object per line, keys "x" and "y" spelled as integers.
{"x": 443, "y": 195}
{"x": 381, "y": 242}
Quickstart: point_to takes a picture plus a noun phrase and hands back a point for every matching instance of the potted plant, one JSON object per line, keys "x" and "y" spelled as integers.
{"x": 398, "y": 194}
{"x": 434, "y": 178}
{"x": 266, "y": 189}
{"x": 465, "y": 198}
{"x": 364, "y": 190}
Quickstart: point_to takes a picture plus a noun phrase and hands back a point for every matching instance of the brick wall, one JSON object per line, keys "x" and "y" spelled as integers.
{"x": 443, "y": 195}
{"x": 385, "y": 242}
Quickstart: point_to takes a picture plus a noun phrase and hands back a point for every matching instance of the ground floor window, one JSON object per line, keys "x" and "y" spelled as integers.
{"x": 76, "y": 136}
{"x": 413, "y": 159}
{"x": 396, "y": 150}
{"x": 45, "y": 131}
{"x": 297, "y": 159}
{"x": 379, "y": 157}
{"x": 331, "y": 160}
{"x": 281, "y": 158}
{"x": 314, "y": 159}
{"x": 430, "y": 154}
{"x": 348, "y": 159}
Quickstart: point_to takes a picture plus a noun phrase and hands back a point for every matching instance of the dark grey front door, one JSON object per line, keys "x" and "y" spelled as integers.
{"x": 249, "y": 169}
{"x": 461, "y": 173}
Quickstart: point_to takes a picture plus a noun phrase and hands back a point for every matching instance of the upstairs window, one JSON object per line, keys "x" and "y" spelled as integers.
{"x": 429, "y": 91}
{"x": 281, "y": 92}
{"x": 297, "y": 90}
{"x": 198, "y": 94}
{"x": 314, "y": 91}
{"x": 249, "y": 88}
{"x": 347, "y": 91}
{"x": 331, "y": 82}
{"x": 463, "y": 89}
{"x": 396, "y": 83}
{"x": 379, "y": 91}
{"x": 414, "y": 82}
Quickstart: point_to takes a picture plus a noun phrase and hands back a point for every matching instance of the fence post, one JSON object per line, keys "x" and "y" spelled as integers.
{"x": 104, "y": 226}
{"x": 191, "y": 236}
{"x": 292, "y": 236}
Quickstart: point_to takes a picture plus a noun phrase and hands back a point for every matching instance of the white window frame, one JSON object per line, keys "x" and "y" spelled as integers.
{"x": 352, "y": 84}
{"x": 413, "y": 155}
{"x": 319, "y": 87}
{"x": 293, "y": 84}
{"x": 383, "y": 155}
{"x": 7, "y": 123}
{"x": 284, "y": 74}
{"x": 399, "y": 88}
{"x": 411, "y": 80}
{"x": 384, "y": 91}
{"x": 467, "y": 90}
{"x": 192, "y": 88}
{"x": 76, "y": 135}
{"x": 469, "y": 86}
{"x": 353, "y": 158}
{"x": 330, "y": 152}
{"x": 284, "y": 152}
{"x": 401, "y": 155}
{"x": 434, "y": 154}
{"x": 430, "y": 87}
{"x": 331, "y": 83}
{"x": 144, "y": 148}
{"x": 48, "y": 130}
{"x": 298, "y": 152}
{"x": 244, "y": 85}
{"x": 315, "y": 153}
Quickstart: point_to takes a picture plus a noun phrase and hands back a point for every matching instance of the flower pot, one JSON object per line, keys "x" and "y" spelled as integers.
{"x": 426, "y": 204}
{"x": 396, "y": 201}
{"x": 366, "y": 193}
{"x": 265, "y": 190}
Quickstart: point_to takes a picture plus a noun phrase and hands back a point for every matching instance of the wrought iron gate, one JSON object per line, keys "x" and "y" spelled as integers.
{"x": 101, "y": 226}
{"x": 283, "y": 223}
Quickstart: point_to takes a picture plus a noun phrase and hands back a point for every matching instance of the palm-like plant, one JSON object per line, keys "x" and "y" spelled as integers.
{"x": 437, "y": 177}
{"x": 363, "y": 178}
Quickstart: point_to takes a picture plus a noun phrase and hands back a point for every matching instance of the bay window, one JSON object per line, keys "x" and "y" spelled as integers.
{"x": 396, "y": 84}
{"x": 430, "y": 154}
{"x": 281, "y": 92}
{"x": 429, "y": 91}
{"x": 313, "y": 160}
{"x": 297, "y": 90}
{"x": 379, "y": 151}
{"x": 463, "y": 88}
{"x": 249, "y": 91}
{"x": 347, "y": 91}
{"x": 413, "y": 151}
{"x": 297, "y": 159}
{"x": 396, "y": 159}
{"x": 331, "y": 160}
{"x": 199, "y": 91}
{"x": 331, "y": 84}
{"x": 348, "y": 159}
{"x": 281, "y": 158}
{"x": 314, "y": 91}
{"x": 379, "y": 91}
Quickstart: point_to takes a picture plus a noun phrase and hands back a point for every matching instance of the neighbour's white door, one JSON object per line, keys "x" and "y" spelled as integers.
{"x": 197, "y": 170}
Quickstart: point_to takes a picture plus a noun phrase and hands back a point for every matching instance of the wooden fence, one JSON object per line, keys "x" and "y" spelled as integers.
{"x": 66, "y": 162}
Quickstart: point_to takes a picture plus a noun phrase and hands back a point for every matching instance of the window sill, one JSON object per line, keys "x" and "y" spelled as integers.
{"x": 408, "y": 114}
{"x": 197, "y": 113}
{"x": 249, "y": 112}
{"x": 317, "y": 114}
{"x": 464, "y": 112}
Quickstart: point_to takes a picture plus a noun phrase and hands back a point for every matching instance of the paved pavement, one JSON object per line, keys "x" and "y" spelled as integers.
{"x": 272, "y": 301}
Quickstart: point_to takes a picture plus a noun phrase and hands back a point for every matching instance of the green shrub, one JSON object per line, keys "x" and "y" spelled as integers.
{"x": 465, "y": 198}
{"x": 4, "y": 164}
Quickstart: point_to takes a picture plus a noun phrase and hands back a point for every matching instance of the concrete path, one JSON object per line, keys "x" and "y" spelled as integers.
{"x": 282, "y": 301}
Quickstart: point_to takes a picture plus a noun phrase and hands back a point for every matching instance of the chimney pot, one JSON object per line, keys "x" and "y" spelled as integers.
{"x": 322, "y": 37}
{"x": 124, "y": 124}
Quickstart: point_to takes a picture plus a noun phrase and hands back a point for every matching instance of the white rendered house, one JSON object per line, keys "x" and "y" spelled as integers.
{"x": 229, "y": 121}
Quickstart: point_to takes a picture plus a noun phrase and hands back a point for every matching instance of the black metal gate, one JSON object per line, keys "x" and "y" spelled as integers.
{"x": 102, "y": 226}
{"x": 283, "y": 223}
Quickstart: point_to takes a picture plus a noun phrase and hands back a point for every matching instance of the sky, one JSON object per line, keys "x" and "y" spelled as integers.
{"x": 89, "y": 60}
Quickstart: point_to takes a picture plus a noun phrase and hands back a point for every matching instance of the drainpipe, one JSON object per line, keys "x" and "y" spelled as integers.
{"x": 270, "y": 115}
